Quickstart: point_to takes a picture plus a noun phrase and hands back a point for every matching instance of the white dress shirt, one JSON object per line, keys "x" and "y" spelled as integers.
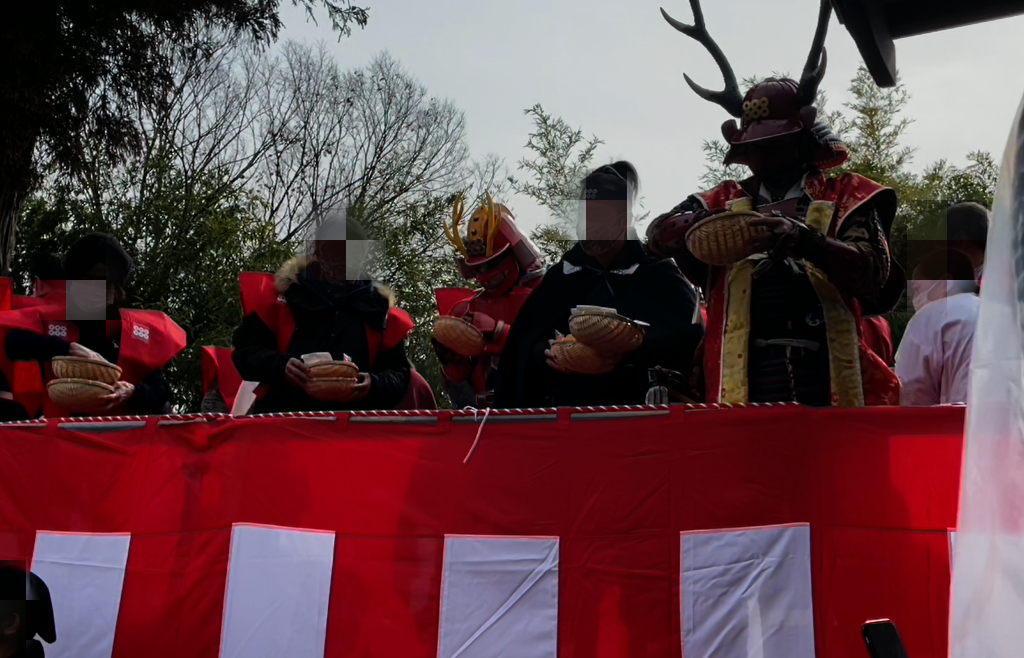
{"x": 934, "y": 359}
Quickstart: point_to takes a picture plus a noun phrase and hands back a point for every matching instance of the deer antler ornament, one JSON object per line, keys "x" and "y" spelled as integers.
{"x": 730, "y": 98}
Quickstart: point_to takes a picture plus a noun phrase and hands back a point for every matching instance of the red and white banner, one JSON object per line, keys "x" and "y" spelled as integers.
{"x": 770, "y": 532}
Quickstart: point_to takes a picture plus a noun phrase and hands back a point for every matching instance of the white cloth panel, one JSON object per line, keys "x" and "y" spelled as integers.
{"x": 499, "y": 597}
{"x": 278, "y": 588}
{"x": 747, "y": 593}
{"x": 85, "y": 575}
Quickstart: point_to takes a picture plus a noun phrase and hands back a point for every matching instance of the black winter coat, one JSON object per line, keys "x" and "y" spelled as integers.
{"x": 639, "y": 286}
{"x": 325, "y": 321}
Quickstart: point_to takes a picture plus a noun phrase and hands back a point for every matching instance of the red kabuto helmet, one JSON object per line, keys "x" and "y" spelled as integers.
{"x": 775, "y": 107}
{"x": 490, "y": 235}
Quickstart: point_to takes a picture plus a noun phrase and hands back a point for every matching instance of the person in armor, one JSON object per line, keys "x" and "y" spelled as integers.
{"x": 608, "y": 270}
{"x": 507, "y": 266}
{"x": 785, "y": 323}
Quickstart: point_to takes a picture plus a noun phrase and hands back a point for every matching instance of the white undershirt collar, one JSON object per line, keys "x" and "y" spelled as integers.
{"x": 794, "y": 192}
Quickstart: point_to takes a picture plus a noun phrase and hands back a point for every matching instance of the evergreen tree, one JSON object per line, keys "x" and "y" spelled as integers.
{"x": 77, "y": 72}
{"x": 560, "y": 158}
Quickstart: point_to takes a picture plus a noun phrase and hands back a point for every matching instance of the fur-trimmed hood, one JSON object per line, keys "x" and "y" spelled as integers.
{"x": 289, "y": 273}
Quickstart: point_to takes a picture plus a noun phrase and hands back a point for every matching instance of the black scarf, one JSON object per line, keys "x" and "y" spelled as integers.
{"x": 359, "y": 297}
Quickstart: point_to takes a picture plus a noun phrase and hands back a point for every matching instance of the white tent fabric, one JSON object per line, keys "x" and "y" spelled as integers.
{"x": 747, "y": 592}
{"x": 278, "y": 586}
{"x": 988, "y": 582}
{"x": 85, "y": 575}
{"x": 499, "y": 597}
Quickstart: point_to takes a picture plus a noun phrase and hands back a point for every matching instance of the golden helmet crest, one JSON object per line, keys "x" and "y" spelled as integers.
{"x": 483, "y": 229}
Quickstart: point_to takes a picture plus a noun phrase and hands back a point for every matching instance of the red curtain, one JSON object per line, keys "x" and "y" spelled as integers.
{"x": 878, "y": 487}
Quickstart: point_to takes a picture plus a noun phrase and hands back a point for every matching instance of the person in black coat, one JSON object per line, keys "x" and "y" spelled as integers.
{"x": 333, "y": 306}
{"x": 610, "y": 268}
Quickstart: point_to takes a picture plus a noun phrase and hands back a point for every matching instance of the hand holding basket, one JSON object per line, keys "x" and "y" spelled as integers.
{"x": 605, "y": 331}
{"x": 459, "y": 336}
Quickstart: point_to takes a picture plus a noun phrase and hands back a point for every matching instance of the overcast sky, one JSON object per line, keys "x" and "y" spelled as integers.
{"x": 615, "y": 69}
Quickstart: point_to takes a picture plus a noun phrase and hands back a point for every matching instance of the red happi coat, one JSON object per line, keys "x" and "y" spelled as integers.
{"x": 12, "y": 302}
{"x": 878, "y": 336}
{"x": 26, "y": 372}
{"x": 218, "y": 367}
{"x": 18, "y": 372}
{"x": 149, "y": 340}
{"x": 260, "y": 296}
{"x": 859, "y": 376}
{"x": 491, "y": 315}
{"x": 6, "y": 293}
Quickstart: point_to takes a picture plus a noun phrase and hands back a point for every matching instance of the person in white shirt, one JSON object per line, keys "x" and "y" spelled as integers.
{"x": 934, "y": 358}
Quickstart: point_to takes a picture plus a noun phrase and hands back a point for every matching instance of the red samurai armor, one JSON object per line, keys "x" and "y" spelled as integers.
{"x": 508, "y": 267}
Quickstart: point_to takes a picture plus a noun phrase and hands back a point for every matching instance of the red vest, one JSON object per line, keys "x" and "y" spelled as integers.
{"x": 260, "y": 296}
{"x": 218, "y": 366}
{"x": 56, "y": 298}
{"x": 9, "y": 301}
{"x": 20, "y": 376}
{"x": 419, "y": 395}
{"x": 149, "y": 340}
{"x": 6, "y": 293}
{"x": 878, "y": 337}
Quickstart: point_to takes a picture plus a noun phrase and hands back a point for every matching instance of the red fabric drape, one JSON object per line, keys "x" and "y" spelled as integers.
{"x": 879, "y": 488}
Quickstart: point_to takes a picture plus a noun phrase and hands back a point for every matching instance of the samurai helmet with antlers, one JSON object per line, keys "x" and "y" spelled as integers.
{"x": 494, "y": 252}
{"x": 775, "y": 107}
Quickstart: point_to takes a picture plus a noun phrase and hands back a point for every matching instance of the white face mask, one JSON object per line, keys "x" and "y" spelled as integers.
{"x": 87, "y": 300}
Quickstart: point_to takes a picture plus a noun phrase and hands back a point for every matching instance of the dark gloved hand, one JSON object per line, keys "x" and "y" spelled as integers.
{"x": 780, "y": 240}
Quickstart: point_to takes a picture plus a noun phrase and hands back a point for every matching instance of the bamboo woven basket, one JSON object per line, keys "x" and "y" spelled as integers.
{"x": 722, "y": 239}
{"x": 606, "y": 332}
{"x": 337, "y": 389}
{"x": 80, "y": 396}
{"x": 334, "y": 370}
{"x": 459, "y": 336}
{"x": 73, "y": 367}
{"x": 580, "y": 359}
